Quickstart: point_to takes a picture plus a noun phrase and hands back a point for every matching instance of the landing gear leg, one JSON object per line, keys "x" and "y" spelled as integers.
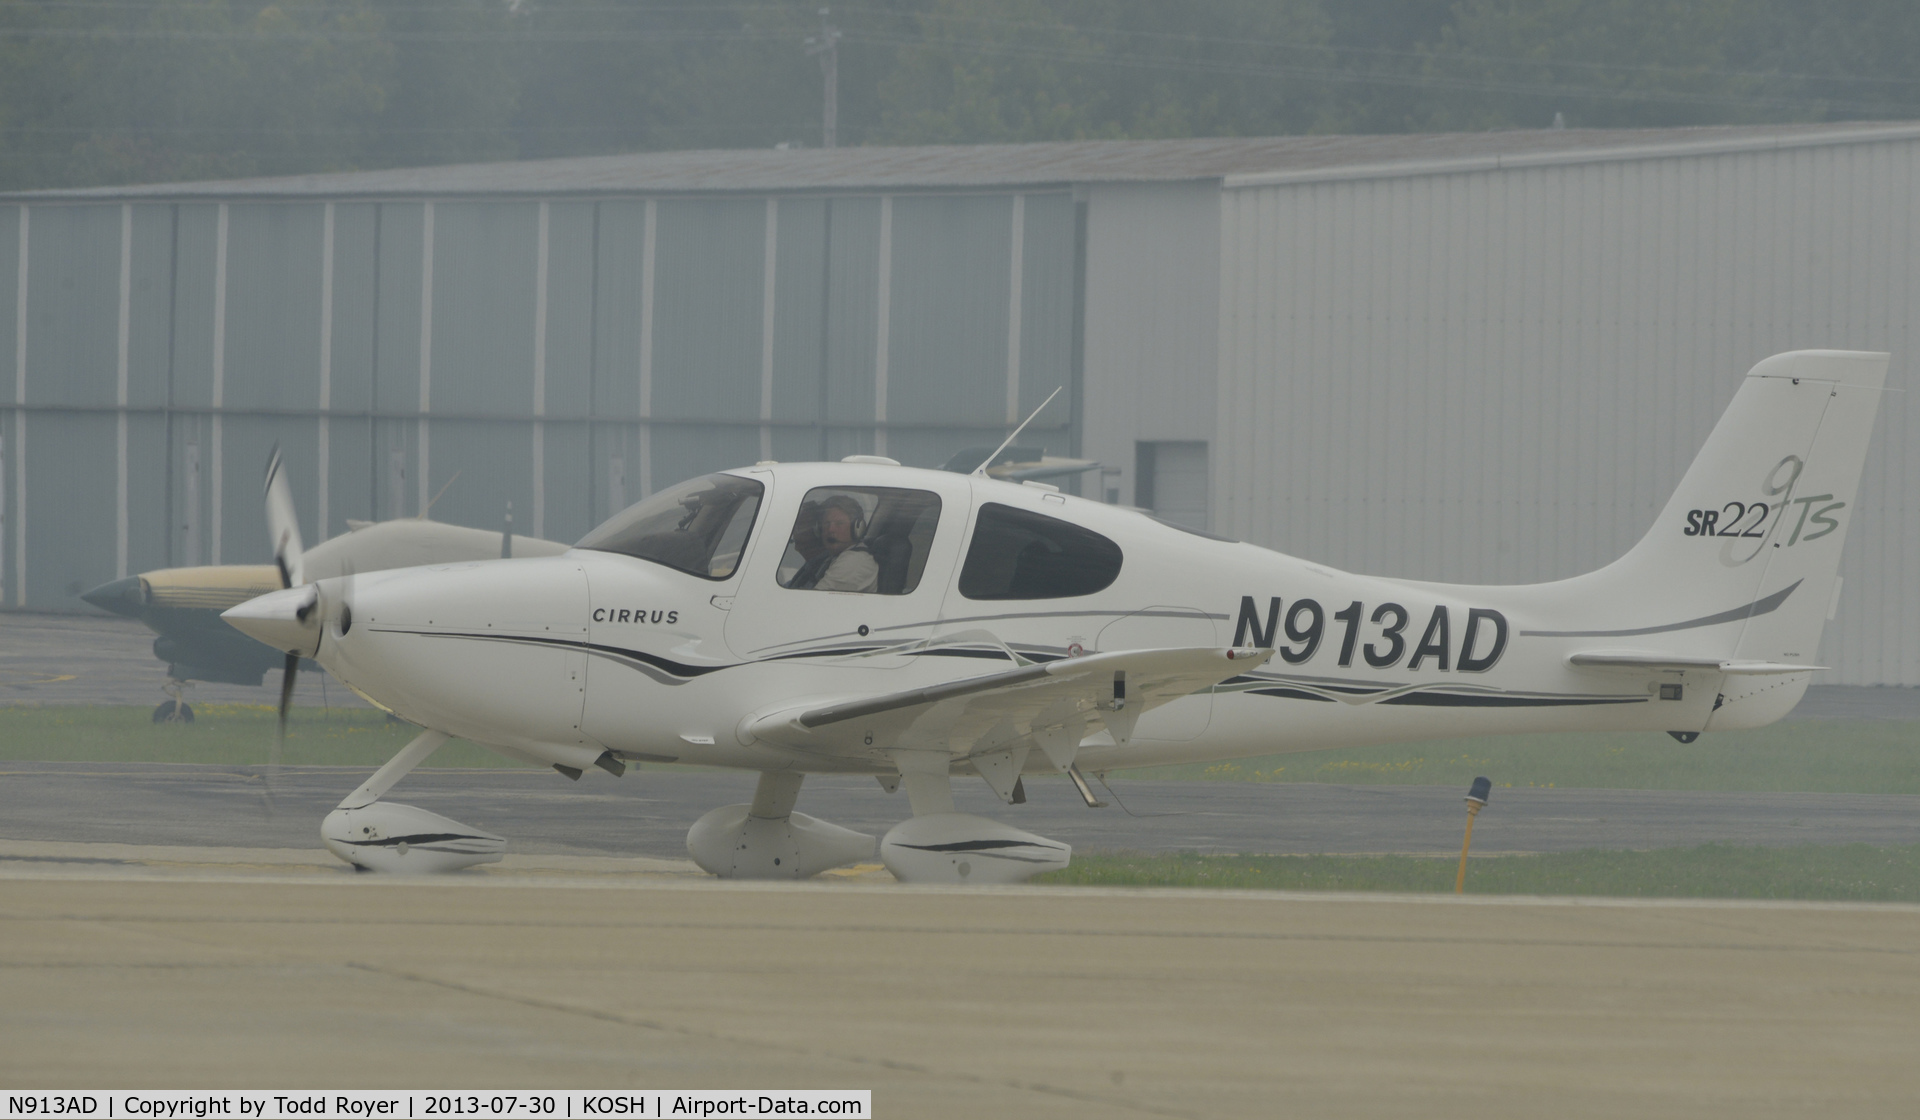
{"x": 376, "y": 835}
{"x": 926, "y": 774}
{"x": 398, "y": 767}
{"x": 941, "y": 845}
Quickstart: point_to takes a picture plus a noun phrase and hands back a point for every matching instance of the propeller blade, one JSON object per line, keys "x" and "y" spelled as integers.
{"x": 288, "y": 668}
{"x": 346, "y": 600}
{"x": 283, "y": 524}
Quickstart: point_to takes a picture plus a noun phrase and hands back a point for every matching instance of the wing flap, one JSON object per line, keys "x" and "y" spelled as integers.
{"x": 1000, "y": 710}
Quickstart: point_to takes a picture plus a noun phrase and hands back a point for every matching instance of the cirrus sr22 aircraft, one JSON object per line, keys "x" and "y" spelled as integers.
{"x": 1005, "y": 630}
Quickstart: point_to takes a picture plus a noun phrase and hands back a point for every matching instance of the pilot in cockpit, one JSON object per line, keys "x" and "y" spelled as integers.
{"x": 838, "y": 560}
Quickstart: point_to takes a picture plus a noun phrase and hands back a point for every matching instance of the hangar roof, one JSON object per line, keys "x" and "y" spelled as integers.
{"x": 1232, "y": 161}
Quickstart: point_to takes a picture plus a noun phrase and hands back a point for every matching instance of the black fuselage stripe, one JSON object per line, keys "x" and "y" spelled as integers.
{"x": 1758, "y": 607}
{"x": 960, "y": 687}
{"x": 1290, "y": 694}
{"x": 831, "y": 651}
{"x": 674, "y": 667}
{"x": 1456, "y": 700}
{"x": 1116, "y": 614}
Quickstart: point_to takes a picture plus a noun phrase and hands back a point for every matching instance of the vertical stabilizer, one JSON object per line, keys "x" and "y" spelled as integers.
{"x": 1747, "y": 551}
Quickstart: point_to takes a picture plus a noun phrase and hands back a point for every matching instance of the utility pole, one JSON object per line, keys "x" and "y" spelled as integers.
{"x": 826, "y": 45}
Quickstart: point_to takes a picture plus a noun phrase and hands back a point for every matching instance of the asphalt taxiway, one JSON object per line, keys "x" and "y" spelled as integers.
{"x": 647, "y": 812}
{"x": 1028, "y": 1002}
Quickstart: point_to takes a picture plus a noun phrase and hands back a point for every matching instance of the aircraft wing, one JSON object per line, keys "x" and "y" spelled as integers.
{"x": 1017, "y": 464}
{"x": 407, "y": 541}
{"x": 1644, "y": 660}
{"x": 1043, "y": 468}
{"x": 1055, "y": 704}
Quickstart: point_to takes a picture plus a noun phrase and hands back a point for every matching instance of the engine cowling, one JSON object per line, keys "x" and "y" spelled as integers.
{"x": 963, "y": 848}
{"x": 407, "y": 840}
{"x": 732, "y": 843}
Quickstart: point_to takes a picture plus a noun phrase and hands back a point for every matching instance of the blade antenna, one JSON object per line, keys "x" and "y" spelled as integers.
{"x": 981, "y": 470}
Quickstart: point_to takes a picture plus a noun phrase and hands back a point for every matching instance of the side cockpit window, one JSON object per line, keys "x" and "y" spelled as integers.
{"x": 872, "y": 539}
{"x": 1017, "y": 554}
{"x": 699, "y": 527}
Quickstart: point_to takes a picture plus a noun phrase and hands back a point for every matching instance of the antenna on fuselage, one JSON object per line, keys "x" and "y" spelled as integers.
{"x": 982, "y": 468}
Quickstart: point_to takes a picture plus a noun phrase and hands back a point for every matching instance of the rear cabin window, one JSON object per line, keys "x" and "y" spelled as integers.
{"x": 868, "y": 539}
{"x": 1016, "y": 554}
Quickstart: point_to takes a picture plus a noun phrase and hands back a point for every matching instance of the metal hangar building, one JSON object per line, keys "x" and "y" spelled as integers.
{"x": 1465, "y": 357}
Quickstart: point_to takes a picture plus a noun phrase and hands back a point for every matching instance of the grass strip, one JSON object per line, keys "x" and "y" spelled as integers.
{"x": 1809, "y": 756}
{"x": 1849, "y": 872}
{"x": 1803, "y": 756}
{"x": 221, "y": 734}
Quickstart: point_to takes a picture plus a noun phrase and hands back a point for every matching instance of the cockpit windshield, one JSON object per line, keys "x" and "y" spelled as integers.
{"x": 699, "y": 527}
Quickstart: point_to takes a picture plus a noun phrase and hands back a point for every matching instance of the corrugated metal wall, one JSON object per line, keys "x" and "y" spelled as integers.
{"x": 567, "y": 357}
{"x": 1499, "y": 376}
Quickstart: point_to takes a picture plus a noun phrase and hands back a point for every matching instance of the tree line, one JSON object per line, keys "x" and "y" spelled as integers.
{"x": 118, "y": 91}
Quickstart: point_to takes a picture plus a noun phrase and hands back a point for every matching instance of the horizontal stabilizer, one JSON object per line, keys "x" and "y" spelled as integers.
{"x": 999, "y": 710}
{"x": 1651, "y": 661}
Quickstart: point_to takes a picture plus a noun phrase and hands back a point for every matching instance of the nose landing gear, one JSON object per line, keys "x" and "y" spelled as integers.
{"x": 375, "y": 835}
{"x": 174, "y": 709}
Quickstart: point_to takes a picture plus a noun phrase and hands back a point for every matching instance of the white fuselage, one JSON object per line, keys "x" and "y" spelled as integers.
{"x": 561, "y": 658}
{"x": 864, "y": 617}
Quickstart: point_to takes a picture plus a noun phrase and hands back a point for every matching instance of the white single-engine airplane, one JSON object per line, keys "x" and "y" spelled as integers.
{"x": 863, "y": 617}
